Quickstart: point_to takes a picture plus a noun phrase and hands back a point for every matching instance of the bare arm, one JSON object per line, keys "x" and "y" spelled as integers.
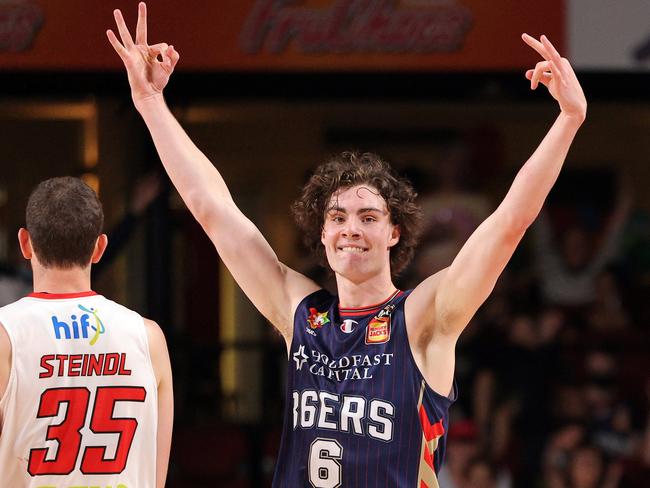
{"x": 5, "y": 361}
{"x": 162, "y": 370}
{"x": 272, "y": 287}
{"x": 441, "y": 307}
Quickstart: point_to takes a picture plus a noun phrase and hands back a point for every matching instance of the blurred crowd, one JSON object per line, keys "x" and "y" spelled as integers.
{"x": 554, "y": 371}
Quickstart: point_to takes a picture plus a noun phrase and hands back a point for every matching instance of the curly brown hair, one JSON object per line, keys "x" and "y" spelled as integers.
{"x": 350, "y": 169}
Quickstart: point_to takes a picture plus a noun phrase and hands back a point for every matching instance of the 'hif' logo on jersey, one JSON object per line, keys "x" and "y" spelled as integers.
{"x": 81, "y": 327}
{"x": 378, "y": 330}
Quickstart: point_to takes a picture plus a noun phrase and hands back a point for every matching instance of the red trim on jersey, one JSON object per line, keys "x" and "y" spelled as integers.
{"x": 430, "y": 431}
{"x": 347, "y": 312}
{"x": 59, "y": 296}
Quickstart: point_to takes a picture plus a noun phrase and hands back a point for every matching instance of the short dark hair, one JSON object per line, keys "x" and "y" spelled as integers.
{"x": 350, "y": 169}
{"x": 64, "y": 218}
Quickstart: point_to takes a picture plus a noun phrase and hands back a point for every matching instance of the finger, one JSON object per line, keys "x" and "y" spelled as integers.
{"x": 555, "y": 56}
{"x": 141, "y": 28}
{"x": 121, "y": 51}
{"x": 545, "y": 79}
{"x": 557, "y": 72}
{"x": 550, "y": 48}
{"x": 158, "y": 50}
{"x": 536, "y": 45}
{"x": 173, "y": 54}
{"x": 538, "y": 72}
{"x": 162, "y": 54}
{"x": 127, "y": 40}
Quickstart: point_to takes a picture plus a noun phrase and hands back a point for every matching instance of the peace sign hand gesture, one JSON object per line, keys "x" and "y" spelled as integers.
{"x": 556, "y": 73}
{"x": 147, "y": 74}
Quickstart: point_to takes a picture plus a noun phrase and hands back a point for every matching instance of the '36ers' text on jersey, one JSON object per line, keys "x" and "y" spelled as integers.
{"x": 359, "y": 412}
{"x": 80, "y": 408}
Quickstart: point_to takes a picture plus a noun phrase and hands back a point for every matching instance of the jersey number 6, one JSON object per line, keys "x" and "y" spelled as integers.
{"x": 324, "y": 466}
{"x": 68, "y": 433}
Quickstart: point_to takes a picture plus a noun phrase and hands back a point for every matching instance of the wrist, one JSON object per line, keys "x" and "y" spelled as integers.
{"x": 148, "y": 102}
{"x": 575, "y": 117}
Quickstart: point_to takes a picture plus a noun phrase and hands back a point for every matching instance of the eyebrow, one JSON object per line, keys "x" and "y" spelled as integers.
{"x": 360, "y": 211}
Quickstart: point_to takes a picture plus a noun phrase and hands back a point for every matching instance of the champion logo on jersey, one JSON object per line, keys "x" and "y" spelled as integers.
{"x": 378, "y": 330}
{"x": 348, "y": 325}
{"x": 79, "y": 327}
{"x": 317, "y": 319}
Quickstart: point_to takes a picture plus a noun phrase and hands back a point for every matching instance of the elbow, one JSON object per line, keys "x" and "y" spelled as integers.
{"x": 205, "y": 208}
{"x": 516, "y": 223}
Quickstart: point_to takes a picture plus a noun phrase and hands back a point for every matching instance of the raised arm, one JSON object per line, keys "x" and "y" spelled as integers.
{"x": 441, "y": 306}
{"x": 272, "y": 287}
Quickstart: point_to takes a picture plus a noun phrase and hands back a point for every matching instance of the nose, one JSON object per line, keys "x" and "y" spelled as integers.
{"x": 351, "y": 230}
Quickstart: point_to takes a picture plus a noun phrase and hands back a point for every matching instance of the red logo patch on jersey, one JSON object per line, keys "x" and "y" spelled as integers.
{"x": 378, "y": 330}
{"x": 317, "y": 319}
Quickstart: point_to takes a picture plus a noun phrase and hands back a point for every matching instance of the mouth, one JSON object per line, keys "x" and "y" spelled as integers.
{"x": 352, "y": 249}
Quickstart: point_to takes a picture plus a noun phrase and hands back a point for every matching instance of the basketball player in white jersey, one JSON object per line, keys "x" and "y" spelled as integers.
{"x": 85, "y": 384}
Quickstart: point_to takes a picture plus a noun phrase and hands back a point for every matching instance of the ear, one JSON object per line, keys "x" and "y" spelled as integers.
{"x": 25, "y": 243}
{"x": 394, "y": 236}
{"x": 100, "y": 247}
{"x": 322, "y": 235}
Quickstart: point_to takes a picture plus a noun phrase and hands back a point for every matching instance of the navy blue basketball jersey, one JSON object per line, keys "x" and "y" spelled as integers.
{"x": 359, "y": 413}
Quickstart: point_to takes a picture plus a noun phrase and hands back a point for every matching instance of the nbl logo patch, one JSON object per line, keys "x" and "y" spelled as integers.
{"x": 378, "y": 330}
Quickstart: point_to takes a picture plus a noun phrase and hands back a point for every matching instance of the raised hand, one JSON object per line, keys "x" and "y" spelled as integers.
{"x": 148, "y": 67}
{"x": 556, "y": 73}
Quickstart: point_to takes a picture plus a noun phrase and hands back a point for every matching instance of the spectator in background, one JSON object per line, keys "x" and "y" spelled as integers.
{"x": 462, "y": 448}
{"x": 607, "y": 314}
{"x": 588, "y": 469}
{"x": 146, "y": 189}
{"x": 568, "y": 266}
{"x": 483, "y": 474}
{"x": 558, "y": 451}
{"x": 451, "y": 210}
{"x": 15, "y": 282}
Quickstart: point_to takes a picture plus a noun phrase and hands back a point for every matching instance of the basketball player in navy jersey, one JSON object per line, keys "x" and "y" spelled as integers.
{"x": 370, "y": 369}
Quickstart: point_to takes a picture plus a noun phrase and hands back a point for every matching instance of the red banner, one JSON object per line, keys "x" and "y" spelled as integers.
{"x": 286, "y": 35}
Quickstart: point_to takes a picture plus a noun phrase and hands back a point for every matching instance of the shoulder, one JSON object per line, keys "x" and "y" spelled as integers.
{"x": 5, "y": 359}
{"x": 5, "y": 341}
{"x": 116, "y": 307}
{"x": 420, "y": 304}
{"x": 425, "y": 313}
{"x": 320, "y": 299}
{"x": 158, "y": 351}
{"x": 14, "y": 307}
{"x": 155, "y": 334}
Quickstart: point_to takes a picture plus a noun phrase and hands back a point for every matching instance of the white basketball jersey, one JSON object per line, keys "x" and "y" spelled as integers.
{"x": 81, "y": 405}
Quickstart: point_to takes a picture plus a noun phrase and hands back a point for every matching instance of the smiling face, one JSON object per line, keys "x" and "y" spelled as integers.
{"x": 358, "y": 233}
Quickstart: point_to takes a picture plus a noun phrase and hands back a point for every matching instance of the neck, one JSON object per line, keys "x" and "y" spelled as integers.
{"x": 56, "y": 280}
{"x": 355, "y": 294}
